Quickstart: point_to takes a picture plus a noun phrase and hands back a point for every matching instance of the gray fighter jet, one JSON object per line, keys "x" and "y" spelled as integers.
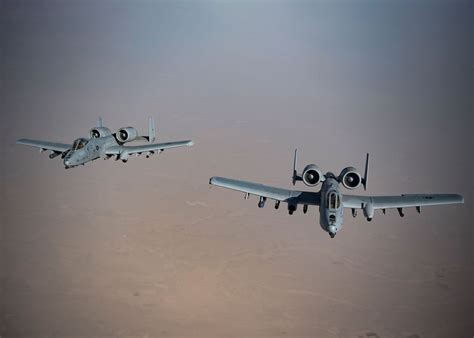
{"x": 103, "y": 143}
{"x": 330, "y": 200}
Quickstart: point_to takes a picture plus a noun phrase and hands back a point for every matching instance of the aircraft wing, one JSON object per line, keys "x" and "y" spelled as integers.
{"x": 278, "y": 194}
{"x": 402, "y": 201}
{"x": 57, "y": 147}
{"x": 116, "y": 150}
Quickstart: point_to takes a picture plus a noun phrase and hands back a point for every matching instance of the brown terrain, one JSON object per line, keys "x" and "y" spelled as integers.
{"x": 150, "y": 249}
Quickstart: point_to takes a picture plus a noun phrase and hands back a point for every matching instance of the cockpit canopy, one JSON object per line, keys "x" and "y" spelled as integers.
{"x": 79, "y": 143}
{"x": 333, "y": 200}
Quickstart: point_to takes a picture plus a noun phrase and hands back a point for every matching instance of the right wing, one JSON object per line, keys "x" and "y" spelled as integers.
{"x": 117, "y": 150}
{"x": 402, "y": 201}
{"x": 289, "y": 196}
{"x": 56, "y": 147}
{"x": 370, "y": 203}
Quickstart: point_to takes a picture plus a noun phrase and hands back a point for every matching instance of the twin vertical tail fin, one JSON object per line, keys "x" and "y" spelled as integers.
{"x": 364, "y": 180}
{"x": 151, "y": 130}
{"x": 295, "y": 176}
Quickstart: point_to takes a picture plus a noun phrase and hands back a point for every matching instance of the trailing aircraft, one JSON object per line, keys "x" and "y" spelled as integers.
{"x": 102, "y": 143}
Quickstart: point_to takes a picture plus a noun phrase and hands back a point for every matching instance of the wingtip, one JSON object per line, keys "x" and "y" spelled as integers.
{"x": 190, "y": 143}
{"x": 214, "y": 180}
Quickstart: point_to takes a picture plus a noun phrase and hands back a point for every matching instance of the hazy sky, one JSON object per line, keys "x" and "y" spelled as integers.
{"x": 249, "y": 82}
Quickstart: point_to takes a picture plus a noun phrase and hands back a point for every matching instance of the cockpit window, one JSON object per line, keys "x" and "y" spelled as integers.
{"x": 79, "y": 143}
{"x": 333, "y": 200}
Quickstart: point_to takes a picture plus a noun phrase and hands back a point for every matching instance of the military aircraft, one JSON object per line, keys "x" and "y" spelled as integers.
{"x": 103, "y": 143}
{"x": 330, "y": 200}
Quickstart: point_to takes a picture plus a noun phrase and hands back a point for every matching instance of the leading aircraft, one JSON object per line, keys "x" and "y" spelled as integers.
{"x": 103, "y": 143}
{"x": 330, "y": 200}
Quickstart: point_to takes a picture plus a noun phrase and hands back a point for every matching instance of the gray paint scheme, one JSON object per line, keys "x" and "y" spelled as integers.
{"x": 103, "y": 143}
{"x": 331, "y": 201}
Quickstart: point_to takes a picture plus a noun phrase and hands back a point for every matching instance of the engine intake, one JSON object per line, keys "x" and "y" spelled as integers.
{"x": 127, "y": 134}
{"x": 312, "y": 175}
{"x": 350, "y": 178}
{"x": 100, "y": 132}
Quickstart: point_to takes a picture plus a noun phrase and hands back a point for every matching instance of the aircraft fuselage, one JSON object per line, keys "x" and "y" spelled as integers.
{"x": 331, "y": 210}
{"x": 86, "y": 150}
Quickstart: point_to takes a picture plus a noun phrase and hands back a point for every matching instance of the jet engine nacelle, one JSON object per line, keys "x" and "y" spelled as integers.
{"x": 127, "y": 134}
{"x": 350, "y": 178}
{"x": 311, "y": 175}
{"x": 100, "y": 132}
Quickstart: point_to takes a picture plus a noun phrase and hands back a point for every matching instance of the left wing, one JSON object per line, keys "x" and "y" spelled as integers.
{"x": 402, "y": 201}
{"x": 117, "y": 150}
{"x": 289, "y": 196}
{"x": 57, "y": 147}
